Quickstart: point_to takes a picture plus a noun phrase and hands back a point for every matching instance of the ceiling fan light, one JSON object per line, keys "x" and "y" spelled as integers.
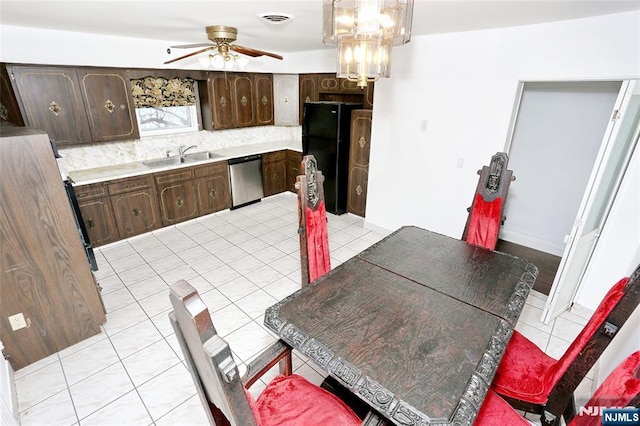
{"x": 217, "y": 61}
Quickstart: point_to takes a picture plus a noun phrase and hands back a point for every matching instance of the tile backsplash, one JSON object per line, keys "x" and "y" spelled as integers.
{"x": 112, "y": 153}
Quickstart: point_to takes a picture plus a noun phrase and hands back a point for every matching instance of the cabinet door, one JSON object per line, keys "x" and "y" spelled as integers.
{"x": 294, "y": 159}
{"x": 51, "y": 102}
{"x": 213, "y": 194}
{"x": 308, "y": 91}
{"x": 285, "y": 93}
{"x": 359, "y": 161}
{"x": 99, "y": 221}
{"x": 109, "y": 105}
{"x": 136, "y": 212}
{"x": 263, "y": 99}
{"x": 328, "y": 83}
{"x": 243, "y": 100}
{"x": 177, "y": 202}
{"x": 9, "y": 110}
{"x": 274, "y": 172}
{"x": 176, "y": 196}
{"x": 221, "y": 102}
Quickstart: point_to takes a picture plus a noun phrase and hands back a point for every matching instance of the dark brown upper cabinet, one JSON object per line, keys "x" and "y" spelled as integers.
{"x": 9, "y": 110}
{"x": 75, "y": 105}
{"x": 109, "y": 105}
{"x": 263, "y": 100}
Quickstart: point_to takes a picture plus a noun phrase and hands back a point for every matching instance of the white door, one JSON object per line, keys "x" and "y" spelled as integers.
{"x": 617, "y": 146}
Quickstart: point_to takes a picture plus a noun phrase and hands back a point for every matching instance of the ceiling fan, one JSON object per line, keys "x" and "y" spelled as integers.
{"x": 222, "y": 37}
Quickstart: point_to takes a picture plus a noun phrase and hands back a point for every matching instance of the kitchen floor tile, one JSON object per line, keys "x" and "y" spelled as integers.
{"x": 98, "y": 390}
{"x": 56, "y": 410}
{"x": 167, "y": 391}
{"x": 126, "y": 410}
{"x": 149, "y": 362}
{"x": 88, "y": 361}
{"x": 190, "y": 412}
{"x": 39, "y": 386}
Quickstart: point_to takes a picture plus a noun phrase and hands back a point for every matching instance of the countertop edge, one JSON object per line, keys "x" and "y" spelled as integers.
{"x": 137, "y": 168}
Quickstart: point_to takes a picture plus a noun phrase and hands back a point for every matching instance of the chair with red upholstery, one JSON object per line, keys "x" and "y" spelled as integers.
{"x": 485, "y": 213}
{"x": 312, "y": 222}
{"x": 620, "y": 389}
{"x": 288, "y": 399}
{"x": 532, "y": 381}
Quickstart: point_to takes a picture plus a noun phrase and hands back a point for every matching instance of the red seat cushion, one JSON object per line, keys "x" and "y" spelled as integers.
{"x": 293, "y": 401}
{"x": 484, "y": 223}
{"x": 317, "y": 242}
{"x": 522, "y": 371}
{"x": 495, "y": 411}
{"x": 528, "y": 374}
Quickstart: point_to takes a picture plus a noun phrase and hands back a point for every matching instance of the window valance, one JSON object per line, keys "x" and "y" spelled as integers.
{"x": 156, "y": 92}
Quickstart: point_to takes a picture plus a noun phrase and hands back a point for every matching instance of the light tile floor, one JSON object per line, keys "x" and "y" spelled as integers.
{"x": 241, "y": 262}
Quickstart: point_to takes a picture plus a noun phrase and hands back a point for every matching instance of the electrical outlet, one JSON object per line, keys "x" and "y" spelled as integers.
{"x": 17, "y": 321}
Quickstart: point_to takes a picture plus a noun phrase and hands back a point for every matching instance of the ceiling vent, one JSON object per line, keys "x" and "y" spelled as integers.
{"x": 275, "y": 18}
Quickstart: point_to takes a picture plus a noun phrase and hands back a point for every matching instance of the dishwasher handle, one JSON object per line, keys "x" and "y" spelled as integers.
{"x": 245, "y": 159}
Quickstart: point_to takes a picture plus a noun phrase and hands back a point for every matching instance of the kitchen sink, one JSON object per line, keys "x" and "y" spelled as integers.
{"x": 180, "y": 159}
{"x": 200, "y": 156}
{"x": 163, "y": 162}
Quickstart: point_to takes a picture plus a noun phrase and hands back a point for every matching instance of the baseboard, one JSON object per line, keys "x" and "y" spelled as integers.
{"x": 551, "y": 247}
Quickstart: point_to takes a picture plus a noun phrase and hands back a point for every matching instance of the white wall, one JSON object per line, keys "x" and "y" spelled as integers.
{"x": 464, "y": 85}
{"x": 35, "y": 46}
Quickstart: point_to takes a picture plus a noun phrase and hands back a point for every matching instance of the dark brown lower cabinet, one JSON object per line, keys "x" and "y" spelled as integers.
{"x": 212, "y": 188}
{"x": 294, "y": 158}
{"x": 274, "y": 172}
{"x": 135, "y": 206}
{"x": 176, "y": 196}
{"x": 97, "y": 213}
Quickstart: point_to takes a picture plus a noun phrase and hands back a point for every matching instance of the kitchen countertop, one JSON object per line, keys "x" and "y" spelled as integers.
{"x": 116, "y": 171}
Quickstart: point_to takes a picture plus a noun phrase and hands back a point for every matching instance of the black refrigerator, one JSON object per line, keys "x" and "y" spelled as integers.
{"x": 326, "y": 135}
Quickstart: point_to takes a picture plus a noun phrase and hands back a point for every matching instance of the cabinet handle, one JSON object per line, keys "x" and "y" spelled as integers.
{"x": 110, "y": 106}
{"x": 212, "y": 193}
{"x": 362, "y": 142}
{"x": 91, "y": 223}
{"x": 264, "y": 100}
{"x": 223, "y": 101}
{"x": 135, "y": 212}
{"x": 179, "y": 202}
{"x": 55, "y": 108}
{"x": 359, "y": 190}
{"x": 4, "y": 113}
{"x": 244, "y": 101}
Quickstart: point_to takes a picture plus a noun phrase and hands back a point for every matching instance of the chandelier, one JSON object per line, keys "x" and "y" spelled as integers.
{"x": 364, "y": 32}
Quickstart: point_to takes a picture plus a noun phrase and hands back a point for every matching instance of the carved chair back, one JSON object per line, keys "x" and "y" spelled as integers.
{"x": 312, "y": 222}
{"x": 209, "y": 359}
{"x": 486, "y": 211}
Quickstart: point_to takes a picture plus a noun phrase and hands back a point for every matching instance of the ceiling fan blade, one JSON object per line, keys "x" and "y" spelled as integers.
{"x": 191, "y": 54}
{"x": 191, "y": 46}
{"x": 253, "y": 52}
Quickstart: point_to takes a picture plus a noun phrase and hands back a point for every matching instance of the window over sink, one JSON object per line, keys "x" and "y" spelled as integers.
{"x": 165, "y": 106}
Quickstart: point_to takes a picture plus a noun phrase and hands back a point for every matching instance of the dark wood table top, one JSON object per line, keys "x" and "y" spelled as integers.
{"x": 403, "y": 339}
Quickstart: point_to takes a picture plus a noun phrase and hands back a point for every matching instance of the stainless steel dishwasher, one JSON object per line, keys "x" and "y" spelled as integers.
{"x": 245, "y": 174}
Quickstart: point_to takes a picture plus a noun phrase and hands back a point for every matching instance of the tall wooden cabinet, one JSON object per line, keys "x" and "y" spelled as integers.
{"x": 46, "y": 281}
{"x": 359, "y": 161}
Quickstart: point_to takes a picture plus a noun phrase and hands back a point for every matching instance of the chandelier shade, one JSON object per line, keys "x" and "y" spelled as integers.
{"x": 389, "y": 18}
{"x": 364, "y": 58}
{"x": 364, "y": 32}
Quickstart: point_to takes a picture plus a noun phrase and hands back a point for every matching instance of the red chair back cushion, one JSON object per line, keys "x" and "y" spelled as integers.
{"x": 617, "y": 390}
{"x": 317, "y": 242}
{"x": 484, "y": 223}
{"x": 602, "y": 312}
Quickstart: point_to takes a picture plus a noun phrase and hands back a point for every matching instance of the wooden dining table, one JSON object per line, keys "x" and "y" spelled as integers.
{"x": 415, "y": 325}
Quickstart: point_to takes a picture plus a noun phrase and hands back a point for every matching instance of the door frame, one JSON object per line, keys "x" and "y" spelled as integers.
{"x": 587, "y": 198}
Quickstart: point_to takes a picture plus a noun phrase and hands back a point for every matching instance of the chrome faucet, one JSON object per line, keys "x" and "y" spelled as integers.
{"x": 184, "y": 148}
